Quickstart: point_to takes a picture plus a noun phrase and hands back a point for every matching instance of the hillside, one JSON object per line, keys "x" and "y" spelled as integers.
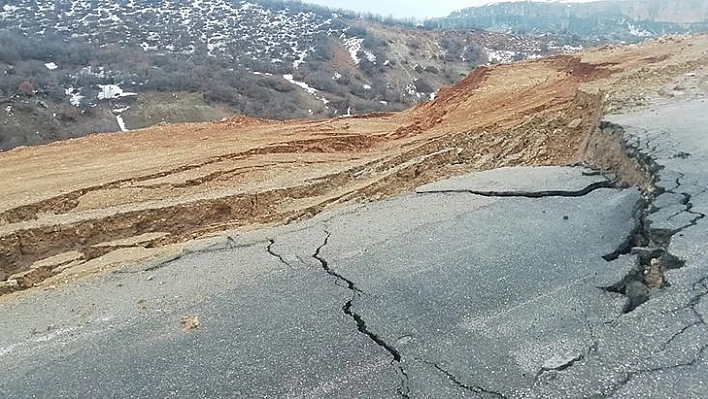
{"x": 76, "y": 207}
{"x": 603, "y": 21}
{"x": 72, "y": 67}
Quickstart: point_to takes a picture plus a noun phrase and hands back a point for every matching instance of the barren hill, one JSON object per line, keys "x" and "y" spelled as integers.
{"x": 78, "y": 206}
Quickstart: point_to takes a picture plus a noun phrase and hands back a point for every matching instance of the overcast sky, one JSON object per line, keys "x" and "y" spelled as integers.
{"x": 401, "y": 8}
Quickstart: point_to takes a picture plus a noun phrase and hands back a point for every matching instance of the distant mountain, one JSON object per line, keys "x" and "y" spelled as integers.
{"x": 72, "y": 67}
{"x": 601, "y": 20}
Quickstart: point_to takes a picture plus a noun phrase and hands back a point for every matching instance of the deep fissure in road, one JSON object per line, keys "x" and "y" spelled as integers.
{"x": 403, "y": 389}
{"x": 532, "y": 194}
{"x": 649, "y": 245}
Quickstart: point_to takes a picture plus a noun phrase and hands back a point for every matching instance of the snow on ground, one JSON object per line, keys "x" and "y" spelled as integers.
{"x": 307, "y": 88}
{"x": 119, "y": 118}
{"x": 99, "y": 72}
{"x": 303, "y": 85}
{"x": 301, "y": 55}
{"x": 226, "y": 27}
{"x": 74, "y": 96}
{"x": 500, "y": 56}
{"x": 638, "y": 31}
{"x": 411, "y": 89}
{"x": 9, "y": 8}
{"x": 113, "y": 91}
{"x": 353, "y": 45}
{"x": 565, "y": 49}
{"x": 121, "y": 124}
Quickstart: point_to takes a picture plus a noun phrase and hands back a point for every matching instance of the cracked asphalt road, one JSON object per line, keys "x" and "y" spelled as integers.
{"x": 487, "y": 286}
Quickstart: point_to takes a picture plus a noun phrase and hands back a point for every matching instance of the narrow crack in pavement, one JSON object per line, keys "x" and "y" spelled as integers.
{"x": 403, "y": 390}
{"x": 472, "y": 388}
{"x": 631, "y": 375}
{"x": 700, "y": 320}
{"x": 565, "y": 364}
{"x": 230, "y": 244}
{"x": 269, "y": 249}
{"x": 569, "y": 362}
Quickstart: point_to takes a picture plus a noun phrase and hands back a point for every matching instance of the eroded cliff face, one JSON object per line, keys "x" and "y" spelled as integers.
{"x": 666, "y": 11}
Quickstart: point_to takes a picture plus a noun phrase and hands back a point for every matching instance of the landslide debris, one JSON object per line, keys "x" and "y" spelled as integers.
{"x": 72, "y": 208}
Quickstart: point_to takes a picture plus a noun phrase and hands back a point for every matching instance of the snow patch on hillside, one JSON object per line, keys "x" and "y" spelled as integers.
{"x": 75, "y": 96}
{"x": 638, "y": 31}
{"x": 113, "y": 91}
{"x": 353, "y": 46}
{"x": 303, "y": 85}
{"x": 500, "y": 56}
{"x": 121, "y": 124}
{"x": 310, "y": 90}
{"x": 235, "y": 29}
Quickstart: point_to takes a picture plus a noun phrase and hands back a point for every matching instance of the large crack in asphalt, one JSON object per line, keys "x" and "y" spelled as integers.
{"x": 530, "y": 194}
{"x": 702, "y": 287}
{"x": 649, "y": 244}
{"x": 403, "y": 390}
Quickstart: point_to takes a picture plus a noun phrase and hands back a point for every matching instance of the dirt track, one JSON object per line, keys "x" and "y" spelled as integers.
{"x": 76, "y": 207}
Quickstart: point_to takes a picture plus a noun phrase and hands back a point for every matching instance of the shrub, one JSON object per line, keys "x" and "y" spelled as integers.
{"x": 276, "y": 83}
{"x": 25, "y": 88}
{"x": 423, "y": 86}
{"x": 68, "y": 113}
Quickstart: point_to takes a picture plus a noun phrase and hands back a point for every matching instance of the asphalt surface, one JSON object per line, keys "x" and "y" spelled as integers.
{"x": 492, "y": 285}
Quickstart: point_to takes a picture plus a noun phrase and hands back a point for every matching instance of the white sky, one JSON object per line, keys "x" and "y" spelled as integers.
{"x": 401, "y": 8}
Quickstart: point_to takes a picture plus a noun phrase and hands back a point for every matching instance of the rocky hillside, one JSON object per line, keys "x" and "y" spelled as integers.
{"x": 71, "y": 67}
{"x": 607, "y": 20}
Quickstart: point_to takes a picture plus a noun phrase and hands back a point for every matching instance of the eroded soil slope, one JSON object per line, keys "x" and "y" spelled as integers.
{"x": 75, "y": 207}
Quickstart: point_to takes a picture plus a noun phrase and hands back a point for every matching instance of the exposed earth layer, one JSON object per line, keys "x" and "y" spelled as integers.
{"x": 77, "y": 207}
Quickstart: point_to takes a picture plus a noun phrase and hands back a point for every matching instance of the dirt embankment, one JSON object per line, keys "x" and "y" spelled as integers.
{"x": 71, "y": 208}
